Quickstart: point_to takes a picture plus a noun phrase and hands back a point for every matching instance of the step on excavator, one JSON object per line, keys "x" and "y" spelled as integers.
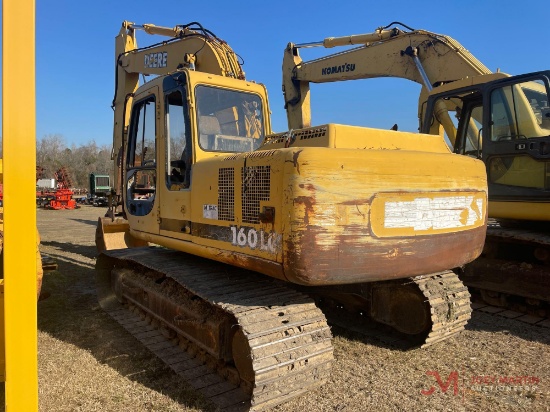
{"x": 225, "y": 236}
{"x": 500, "y": 119}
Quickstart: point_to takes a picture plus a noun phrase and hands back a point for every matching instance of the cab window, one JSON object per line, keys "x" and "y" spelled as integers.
{"x": 520, "y": 111}
{"x": 178, "y": 151}
{"x": 228, "y": 120}
{"x": 141, "y": 158}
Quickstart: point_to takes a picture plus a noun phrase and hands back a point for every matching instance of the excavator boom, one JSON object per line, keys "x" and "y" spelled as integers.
{"x": 384, "y": 53}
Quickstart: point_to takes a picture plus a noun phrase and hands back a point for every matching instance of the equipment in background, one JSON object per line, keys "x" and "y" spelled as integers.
{"x": 55, "y": 193}
{"x": 502, "y": 120}
{"x": 100, "y": 189}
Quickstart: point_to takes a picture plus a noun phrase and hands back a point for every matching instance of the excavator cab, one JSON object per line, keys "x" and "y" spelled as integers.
{"x": 176, "y": 122}
{"x": 506, "y": 123}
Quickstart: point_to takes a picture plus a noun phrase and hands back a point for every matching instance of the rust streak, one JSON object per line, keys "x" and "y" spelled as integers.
{"x": 295, "y": 160}
{"x": 308, "y": 186}
{"x": 309, "y": 203}
{"x": 357, "y": 202}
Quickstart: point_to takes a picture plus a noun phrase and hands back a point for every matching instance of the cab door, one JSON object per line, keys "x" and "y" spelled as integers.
{"x": 175, "y": 189}
{"x": 516, "y": 149}
{"x": 140, "y": 182}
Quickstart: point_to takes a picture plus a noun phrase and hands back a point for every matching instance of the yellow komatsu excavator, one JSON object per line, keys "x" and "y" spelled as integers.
{"x": 372, "y": 220}
{"x": 502, "y": 120}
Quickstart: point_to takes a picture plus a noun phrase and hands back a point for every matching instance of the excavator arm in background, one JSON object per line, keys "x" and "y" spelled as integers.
{"x": 421, "y": 56}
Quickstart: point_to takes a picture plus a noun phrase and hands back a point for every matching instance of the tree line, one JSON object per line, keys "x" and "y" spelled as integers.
{"x": 52, "y": 153}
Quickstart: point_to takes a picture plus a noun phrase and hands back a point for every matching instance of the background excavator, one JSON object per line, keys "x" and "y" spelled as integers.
{"x": 502, "y": 120}
{"x": 370, "y": 219}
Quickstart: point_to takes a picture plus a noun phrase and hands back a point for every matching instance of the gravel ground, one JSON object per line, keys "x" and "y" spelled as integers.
{"x": 87, "y": 362}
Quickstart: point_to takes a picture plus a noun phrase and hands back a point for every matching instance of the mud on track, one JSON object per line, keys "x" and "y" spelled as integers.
{"x": 87, "y": 362}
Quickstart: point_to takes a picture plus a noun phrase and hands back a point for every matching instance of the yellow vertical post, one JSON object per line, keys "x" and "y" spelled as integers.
{"x": 19, "y": 161}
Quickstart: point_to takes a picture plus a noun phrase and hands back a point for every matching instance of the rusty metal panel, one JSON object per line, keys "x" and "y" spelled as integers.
{"x": 339, "y": 207}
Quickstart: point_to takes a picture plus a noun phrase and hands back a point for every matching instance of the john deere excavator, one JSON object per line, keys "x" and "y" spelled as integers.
{"x": 236, "y": 217}
{"x": 502, "y": 120}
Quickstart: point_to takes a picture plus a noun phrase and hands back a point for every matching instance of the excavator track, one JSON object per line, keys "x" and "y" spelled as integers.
{"x": 440, "y": 302}
{"x": 510, "y": 314}
{"x": 449, "y": 302}
{"x": 244, "y": 340}
{"x": 513, "y": 270}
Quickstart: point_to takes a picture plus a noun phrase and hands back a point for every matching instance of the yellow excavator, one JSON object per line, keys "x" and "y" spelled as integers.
{"x": 501, "y": 119}
{"x": 221, "y": 220}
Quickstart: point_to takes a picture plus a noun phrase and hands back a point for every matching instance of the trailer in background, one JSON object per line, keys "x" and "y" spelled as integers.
{"x": 43, "y": 184}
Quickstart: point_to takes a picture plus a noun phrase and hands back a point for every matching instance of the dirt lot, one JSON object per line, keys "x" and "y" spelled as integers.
{"x": 87, "y": 362}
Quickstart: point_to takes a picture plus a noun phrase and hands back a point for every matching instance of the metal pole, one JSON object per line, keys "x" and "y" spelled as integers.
{"x": 422, "y": 73}
{"x": 19, "y": 164}
{"x": 413, "y": 53}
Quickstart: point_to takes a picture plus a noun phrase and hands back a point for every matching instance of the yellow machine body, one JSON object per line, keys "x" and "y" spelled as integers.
{"x": 350, "y": 214}
{"x": 331, "y": 204}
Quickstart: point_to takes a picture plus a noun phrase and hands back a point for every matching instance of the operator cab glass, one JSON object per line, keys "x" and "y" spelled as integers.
{"x": 520, "y": 111}
{"x": 177, "y": 148}
{"x": 506, "y": 123}
{"x": 520, "y": 129}
{"x": 141, "y": 158}
{"x": 228, "y": 120}
{"x": 470, "y": 129}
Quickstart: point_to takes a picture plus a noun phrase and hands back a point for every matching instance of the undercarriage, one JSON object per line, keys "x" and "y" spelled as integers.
{"x": 256, "y": 340}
